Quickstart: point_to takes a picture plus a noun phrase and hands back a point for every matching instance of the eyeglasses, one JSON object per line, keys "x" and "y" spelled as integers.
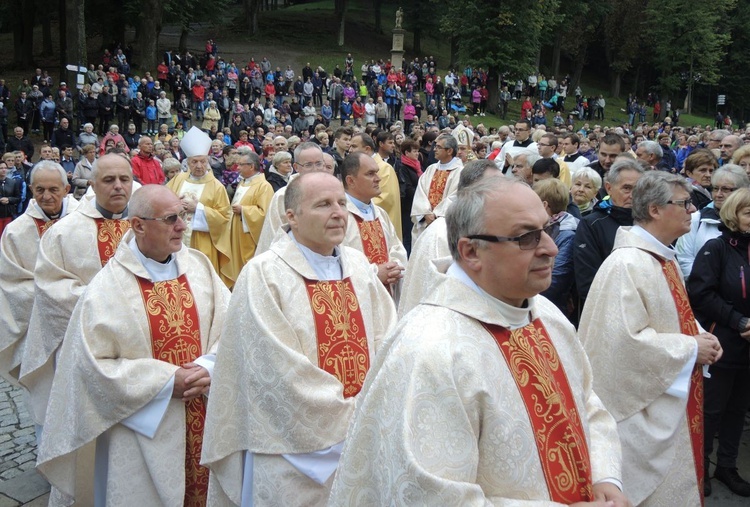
{"x": 686, "y": 203}
{"x": 540, "y": 144}
{"x": 169, "y": 219}
{"x": 724, "y": 190}
{"x": 527, "y": 241}
{"x": 310, "y": 165}
{"x": 438, "y": 147}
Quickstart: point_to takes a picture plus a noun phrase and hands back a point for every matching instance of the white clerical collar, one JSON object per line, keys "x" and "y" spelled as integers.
{"x": 665, "y": 251}
{"x": 367, "y": 210}
{"x": 158, "y": 271}
{"x": 242, "y": 180}
{"x": 46, "y": 217}
{"x": 447, "y": 167}
{"x": 109, "y": 215}
{"x": 326, "y": 267}
{"x": 514, "y": 316}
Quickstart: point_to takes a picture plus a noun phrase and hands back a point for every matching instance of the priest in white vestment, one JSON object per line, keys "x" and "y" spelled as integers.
{"x": 308, "y": 157}
{"x": 134, "y": 369}
{"x": 484, "y": 396}
{"x": 309, "y": 318}
{"x": 433, "y": 244}
{"x": 249, "y": 208}
{"x": 70, "y": 254}
{"x": 369, "y": 228}
{"x": 439, "y": 181}
{"x": 18, "y": 250}
{"x": 646, "y": 348}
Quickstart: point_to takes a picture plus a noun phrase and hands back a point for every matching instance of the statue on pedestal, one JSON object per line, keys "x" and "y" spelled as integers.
{"x": 399, "y": 17}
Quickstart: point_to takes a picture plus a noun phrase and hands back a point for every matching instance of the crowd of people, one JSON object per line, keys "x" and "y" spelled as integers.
{"x": 531, "y": 312}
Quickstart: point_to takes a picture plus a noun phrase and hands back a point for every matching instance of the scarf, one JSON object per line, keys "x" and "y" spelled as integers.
{"x": 414, "y": 164}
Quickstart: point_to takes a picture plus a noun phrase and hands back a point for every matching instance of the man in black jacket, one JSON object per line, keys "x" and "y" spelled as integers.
{"x": 610, "y": 147}
{"x": 595, "y": 235}
{"x": 106, "y": 110}
{"x": 20, "y": 142}
{"x": 63, "y": 136}
{"x": 10, "y": 196}
{"x": 24, "y": 109}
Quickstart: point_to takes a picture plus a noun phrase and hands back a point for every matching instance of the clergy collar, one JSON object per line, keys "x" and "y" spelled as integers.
{"x": 514, "y": 316}
{"x": 197, "y": 180}
{"x": 158, "y": 271}
{"x": 524, "y": 144}
{"x": 326, "y": 267}
{"x": 365, "y": 209}
{"x": 448, "y": 165}
{"x": 665, "y": 251}
{"x": 109, "y": 214}
{"x": 47, "y": 217}
{"x": 242, "y": 180}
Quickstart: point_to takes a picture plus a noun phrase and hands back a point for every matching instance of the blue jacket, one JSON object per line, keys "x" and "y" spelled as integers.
{"x": 47, "y": 111}
{"x": 563, "y": 276}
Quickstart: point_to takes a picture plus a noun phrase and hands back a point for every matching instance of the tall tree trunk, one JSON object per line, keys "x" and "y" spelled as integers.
{"x": 615, "y": 84}
{"x": 416, "y": 24}
{"x": 341, "y": 6}
{"x": 493, "y": 79}
{"x": 73, "y": 32}
{"x": 45, "y": 8}
{"x": 150, "y": 29}
{"x": 62, "y": 33}
{"x": 184, "y": 37}
{"x": 376, "y": 5}
{"x": 23, "y": 33}
{"x": 252, "y": 7}
{"x": 580, "y": 60}
{"x": 556, "y": 55}
{"x": 454, "y": 52}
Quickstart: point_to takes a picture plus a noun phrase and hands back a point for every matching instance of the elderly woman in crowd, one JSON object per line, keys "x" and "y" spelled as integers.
{"x": 280, "y": 170}
{"x": 705, "y": 222}
{"x": 586, "y": 185}
{"x": 699, "y": 166}
{"x": 718, "y": 294}
{"x": 741, "y": 157}
{"x": 88, "y": 136}
{"x": 83, "y": 171}
{"x": 171, "y": 168}
{"x": 211, "y": 117}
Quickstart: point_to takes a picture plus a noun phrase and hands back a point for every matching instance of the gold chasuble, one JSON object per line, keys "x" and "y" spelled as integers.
{"x": 374, "y": 244}
{"x": 437, "y": 187}
{"x": 694, "y": 408}
{"x": 42, "y": 226}
{"x": 175, "y": 338}
{"x": 543, "y": 385}
{"x": 109, "y": 232}
{"x": 340, "y": 330}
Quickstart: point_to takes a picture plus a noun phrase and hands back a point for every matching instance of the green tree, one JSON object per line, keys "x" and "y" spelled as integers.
{"x": 736, "y": 66}
{"x": 501, "y": 36}
{"x": 622, "y": 36}
{"x": 686, "y": 39}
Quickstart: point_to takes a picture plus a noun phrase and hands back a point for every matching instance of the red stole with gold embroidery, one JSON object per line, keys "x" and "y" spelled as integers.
{"x": 109, "y": 232}
{"x": 373, "y": 240}
{"x": 176, "y": 339}
{"x": 42, "y": 226}
{"x": 340, "y": 331}
{"x": 437, "y": 187}
{"x": 695, "y": 397}
{"x": 543, "y": 385}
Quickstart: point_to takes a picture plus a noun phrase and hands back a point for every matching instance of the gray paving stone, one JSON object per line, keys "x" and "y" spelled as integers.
{"x": 7, "y": 502}
{"x": 25, "y": 487}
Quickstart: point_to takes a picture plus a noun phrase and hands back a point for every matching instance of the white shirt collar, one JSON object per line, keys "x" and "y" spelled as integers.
{"x": 665, "y": 251}
{"x": 326, "y": 267}
{"x": 514, "y": 316}
{"x": 367, "y": 210}
{"x": 159, "y": 272}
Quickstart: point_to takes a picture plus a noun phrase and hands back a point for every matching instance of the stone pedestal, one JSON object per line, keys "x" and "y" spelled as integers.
{"x": 397, "y": 50}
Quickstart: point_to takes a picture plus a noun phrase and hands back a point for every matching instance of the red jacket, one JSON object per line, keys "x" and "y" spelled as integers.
{"x": 147, "y": 169}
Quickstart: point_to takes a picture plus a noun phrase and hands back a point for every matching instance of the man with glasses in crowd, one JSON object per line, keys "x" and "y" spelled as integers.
{"x": 308, "y": 157}
{"x": 521, "y": 144}
{"x": 439, "y": 181}
{"x": 468, "y": 395}
{"x": 647, "y": 349}
{"x": 133, "y": 378}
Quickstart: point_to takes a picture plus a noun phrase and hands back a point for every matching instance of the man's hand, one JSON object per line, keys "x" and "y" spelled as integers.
{"x": 745, "y": 333}
{"x": 508, "y": 160}
{"x": 428, "y": 219}
{"x": 237, "y": 208}
{"x": 390, "y": 272}
{"x": 191, "y": 381}
{"x": 608, "y": 492}
{"x": 709, "y": 349}
{"x": 3, "y": 200}
{"x": 189, "y": 204}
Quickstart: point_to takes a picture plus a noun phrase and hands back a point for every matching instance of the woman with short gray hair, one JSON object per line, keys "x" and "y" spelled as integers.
{"x": 705, "y": 222}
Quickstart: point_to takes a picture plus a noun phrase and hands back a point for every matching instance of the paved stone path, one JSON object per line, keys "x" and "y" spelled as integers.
{"x": 20, "y": 484}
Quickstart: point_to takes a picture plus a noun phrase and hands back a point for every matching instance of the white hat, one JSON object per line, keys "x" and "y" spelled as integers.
{"x": 464, "y": 136}
{"x": 195, "y": 143}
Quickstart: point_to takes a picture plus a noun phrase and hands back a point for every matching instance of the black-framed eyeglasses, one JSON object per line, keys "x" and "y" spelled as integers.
{"x": 169, "y": 219}
{"x": 527, "y": 241}
{"x": 682, "y": 202}
{"x": 724, "y": 190}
